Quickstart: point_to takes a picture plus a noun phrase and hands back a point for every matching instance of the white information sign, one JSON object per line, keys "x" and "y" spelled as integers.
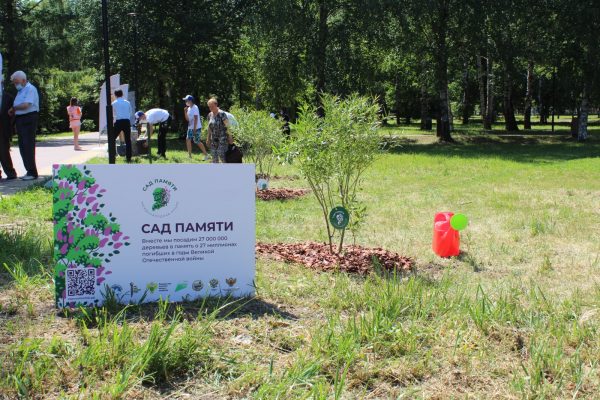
{"x": 115, "y": 82}
{"x": 142, "y": 233}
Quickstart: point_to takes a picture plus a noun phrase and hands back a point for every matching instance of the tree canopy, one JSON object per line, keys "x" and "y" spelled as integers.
{"x": 432, "y": 59}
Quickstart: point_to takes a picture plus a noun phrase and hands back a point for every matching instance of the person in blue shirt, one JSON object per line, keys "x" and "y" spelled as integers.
{"x": 26, "y": 109}
{"x": 122, "y": 117}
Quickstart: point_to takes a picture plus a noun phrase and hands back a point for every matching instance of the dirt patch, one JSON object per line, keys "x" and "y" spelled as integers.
{"x": 280, "y": 194}
{"x": 354, "y": 259}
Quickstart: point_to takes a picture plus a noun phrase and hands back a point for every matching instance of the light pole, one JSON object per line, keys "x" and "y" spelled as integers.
{"x": 109, "y": 112}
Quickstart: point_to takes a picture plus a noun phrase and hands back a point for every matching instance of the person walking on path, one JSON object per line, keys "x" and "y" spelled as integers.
{"x": 152, "y": 117}
{"x": 74, "y": 112}
{"x": 192, "y": 114}
{"x": 122, "y": 115}
{"x": 218, "y": 138}
{"x": 26, "y": 108}
{"x": 6, "y": 132}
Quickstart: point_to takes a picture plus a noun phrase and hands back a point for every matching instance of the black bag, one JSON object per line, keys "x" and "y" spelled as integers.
{"x": 233, "y": 155}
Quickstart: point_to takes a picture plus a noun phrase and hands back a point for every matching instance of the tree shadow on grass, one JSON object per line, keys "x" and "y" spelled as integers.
{"x": 519, "y": 148}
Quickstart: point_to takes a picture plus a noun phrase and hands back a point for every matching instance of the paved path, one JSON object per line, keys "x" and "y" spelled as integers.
{"x": 53, "y": 151}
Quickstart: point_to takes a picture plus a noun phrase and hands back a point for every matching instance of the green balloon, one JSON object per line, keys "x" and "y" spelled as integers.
{"x": 459, "y": 222}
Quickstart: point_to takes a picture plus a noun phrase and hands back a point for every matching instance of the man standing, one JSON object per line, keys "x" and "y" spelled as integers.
{"x": 122, "y": 115}
{"x": 26, "y": 108}
{"x": 152, "y": 117}
{"x": 6, "y": 130}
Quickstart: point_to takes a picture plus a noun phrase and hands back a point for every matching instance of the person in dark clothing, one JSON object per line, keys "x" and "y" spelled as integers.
{"x": 122, "y": 119}
{"x": 6, "y": 132}
{"x": 155, "y": 116}
{"x": 26, "y": 109}
{"x": 286, "y": 122}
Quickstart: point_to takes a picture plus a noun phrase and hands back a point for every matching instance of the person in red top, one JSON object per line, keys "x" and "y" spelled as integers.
{"x": 74, "y": 112}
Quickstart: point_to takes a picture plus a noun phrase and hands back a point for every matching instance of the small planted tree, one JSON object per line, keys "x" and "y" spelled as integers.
{"x": 334, "y": 151}
{"x": 260, "y": 137}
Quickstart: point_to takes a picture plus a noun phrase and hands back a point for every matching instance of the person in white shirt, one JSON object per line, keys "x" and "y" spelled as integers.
{"x": 26, "y": 108}
{"x": 160, "y": 117}
{"x": 192, "y": 115}
{"x": 121, "y": 116}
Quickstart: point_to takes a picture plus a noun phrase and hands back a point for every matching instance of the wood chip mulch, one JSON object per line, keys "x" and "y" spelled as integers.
{"x": 280, "y": 194}
{"x": 355, "y": 259}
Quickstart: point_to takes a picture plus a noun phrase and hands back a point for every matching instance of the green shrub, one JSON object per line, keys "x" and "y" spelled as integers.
{"x": 334, "y": 151}
{"x": 260, "y": 137}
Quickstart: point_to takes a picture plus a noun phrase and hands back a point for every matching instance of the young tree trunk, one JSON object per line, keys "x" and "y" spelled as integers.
{"x": 489, "y": 115}
{"x": 481, "y": 75}
{"x": 528, "y": 96}
{"x": 582, "y": 132}
{"x": 510, "y": 122}
{"x": 440, "y": 33}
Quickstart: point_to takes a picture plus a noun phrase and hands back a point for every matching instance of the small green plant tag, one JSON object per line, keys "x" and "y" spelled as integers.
{"x": 339, "y": 217}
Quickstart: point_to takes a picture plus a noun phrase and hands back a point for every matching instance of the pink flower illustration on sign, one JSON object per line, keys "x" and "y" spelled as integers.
{"x": 84, "y": 237}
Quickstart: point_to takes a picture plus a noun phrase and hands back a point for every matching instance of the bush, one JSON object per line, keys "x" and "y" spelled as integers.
{"x": 88, "y": 125}
{"x": 334, "y": 151}
{"x": 260, "y": 138}
{"x": 56, "y": 89}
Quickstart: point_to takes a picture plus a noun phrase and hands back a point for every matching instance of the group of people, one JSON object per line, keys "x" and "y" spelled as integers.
{"x": 218, "y": 136}
{"x": 19, "y": 114}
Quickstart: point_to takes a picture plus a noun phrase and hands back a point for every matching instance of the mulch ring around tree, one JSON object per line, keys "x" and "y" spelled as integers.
{"x": 280, "y": 194}
{"x": 355, "y": 259}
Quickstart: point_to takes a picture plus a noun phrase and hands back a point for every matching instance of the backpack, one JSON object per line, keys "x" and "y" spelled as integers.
{"x": 231, "y": 118}
{"x": 233, "y": 155}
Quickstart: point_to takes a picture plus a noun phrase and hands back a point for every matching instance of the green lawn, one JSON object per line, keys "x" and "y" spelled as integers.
{"x": 517, "y": 315}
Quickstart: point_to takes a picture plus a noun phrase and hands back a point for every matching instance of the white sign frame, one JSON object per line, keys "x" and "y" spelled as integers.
{"x": 141, "y": 233}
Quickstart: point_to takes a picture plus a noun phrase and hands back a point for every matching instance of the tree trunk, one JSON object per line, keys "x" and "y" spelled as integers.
{"x": 397, "y": 101}
{"x": 450, "y": 114}
{"x": 541, "y": 106}
{"x": 321, "y": 51}
{"x": 481, "y": 75}
{"x": 11, "y": 27}
{"x": 582, "y": 132}
{"x": 574, "y": 125}
{"x": 528, "y": 96}
{"x": 425, "y": 124}
{"x": 489, "y": 115}
{"x": 465, "y": 96}
{"x": 510, "y": 122}
{"x": 440, "y": 32}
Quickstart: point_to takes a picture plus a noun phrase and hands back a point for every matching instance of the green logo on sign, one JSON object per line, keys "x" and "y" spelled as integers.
{"x": 161, "y": 198}
{"x": 181, "y": 286}
{"x": 339, "y": 217}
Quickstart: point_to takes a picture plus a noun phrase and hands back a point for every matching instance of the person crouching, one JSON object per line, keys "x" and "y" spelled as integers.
{"x": 156, "y": 116}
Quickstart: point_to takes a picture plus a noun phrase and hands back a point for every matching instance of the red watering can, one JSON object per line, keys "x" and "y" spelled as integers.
{"x": 446, "y": 240}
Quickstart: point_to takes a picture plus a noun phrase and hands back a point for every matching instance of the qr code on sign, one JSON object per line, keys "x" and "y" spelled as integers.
{"x": 81, "y": 282}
